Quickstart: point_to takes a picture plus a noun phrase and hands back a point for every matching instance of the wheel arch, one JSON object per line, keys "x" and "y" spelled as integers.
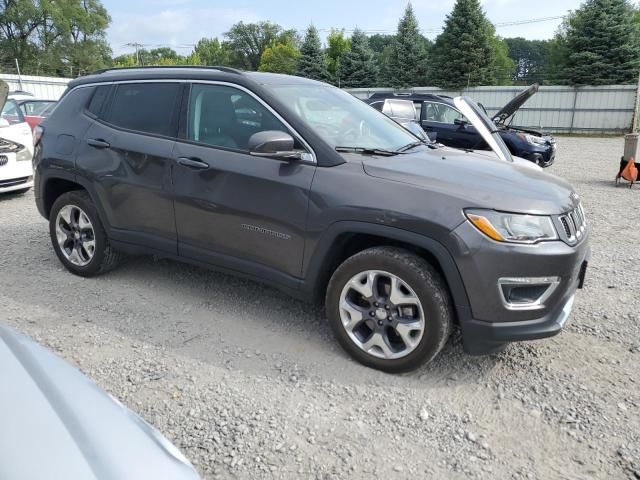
{"x": 344, "y": 239}
{"x": 55, "y": 185}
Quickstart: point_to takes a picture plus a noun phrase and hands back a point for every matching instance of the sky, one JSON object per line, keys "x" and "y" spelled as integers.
{"x": 181, "y": 23}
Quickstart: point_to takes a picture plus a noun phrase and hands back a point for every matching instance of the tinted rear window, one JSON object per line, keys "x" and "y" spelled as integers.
{"x": 145, "y": 107}
{"x": 98, "y": 99}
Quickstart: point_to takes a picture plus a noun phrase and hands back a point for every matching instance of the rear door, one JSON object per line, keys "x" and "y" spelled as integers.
{"x": 127, "y": 154}
{"x": 233, "y": 209}
{"x": 441, "y": 118}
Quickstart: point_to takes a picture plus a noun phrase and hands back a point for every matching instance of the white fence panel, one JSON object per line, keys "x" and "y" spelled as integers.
{"x": 48, "y": 88}
{"x": 559, "y": 109}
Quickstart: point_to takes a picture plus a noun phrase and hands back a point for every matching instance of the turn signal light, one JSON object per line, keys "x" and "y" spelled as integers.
{"x": 484, "y": 225}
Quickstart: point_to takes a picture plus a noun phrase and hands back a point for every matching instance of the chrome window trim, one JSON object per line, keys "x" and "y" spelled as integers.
{"x": 314, "y": 158}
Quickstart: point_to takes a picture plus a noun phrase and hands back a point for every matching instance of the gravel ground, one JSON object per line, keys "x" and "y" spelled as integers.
{"x": 249, "y": 383}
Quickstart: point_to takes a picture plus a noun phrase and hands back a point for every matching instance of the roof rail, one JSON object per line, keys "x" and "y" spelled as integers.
{"x": 160, "y": 67}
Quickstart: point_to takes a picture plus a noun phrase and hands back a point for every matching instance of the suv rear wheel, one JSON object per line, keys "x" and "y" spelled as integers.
{"x": 78, "y": 236}
{"x": 389, "y": 309}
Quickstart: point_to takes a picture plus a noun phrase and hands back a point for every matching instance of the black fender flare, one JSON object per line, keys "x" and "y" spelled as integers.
{"x": 328, "y": 239}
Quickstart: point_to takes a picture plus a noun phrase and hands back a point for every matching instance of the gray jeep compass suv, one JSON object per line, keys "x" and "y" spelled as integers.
{"x": 298, "y": 184}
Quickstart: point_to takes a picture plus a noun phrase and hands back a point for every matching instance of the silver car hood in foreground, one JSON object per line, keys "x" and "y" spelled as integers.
{"x": 56, "y": 424}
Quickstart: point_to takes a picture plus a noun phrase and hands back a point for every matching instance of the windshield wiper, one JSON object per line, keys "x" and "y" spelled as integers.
{"x": 368, "y": 151}
{"x": 409, "y": 146}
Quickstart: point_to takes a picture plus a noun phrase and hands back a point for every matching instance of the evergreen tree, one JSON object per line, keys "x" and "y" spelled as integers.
{"x": 407, "y": 57}
{"x": 602, "y": 44}
{"x": 313, "y": 61}
{"x": 358, "y": 68}
{"x": 464, "y": 53}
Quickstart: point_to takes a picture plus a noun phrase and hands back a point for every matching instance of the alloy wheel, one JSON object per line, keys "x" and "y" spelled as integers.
{"x": 75, "y": 235}
{"x": 382, "y": 314}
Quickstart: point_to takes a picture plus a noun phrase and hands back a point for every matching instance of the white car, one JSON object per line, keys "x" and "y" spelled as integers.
{"x": 16, "y": 147}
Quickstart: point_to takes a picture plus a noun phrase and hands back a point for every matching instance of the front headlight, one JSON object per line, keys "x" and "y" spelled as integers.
{"x": 23, "y": 155}
{"x": 513, "y": 227}
{"x": 532, "y": 139}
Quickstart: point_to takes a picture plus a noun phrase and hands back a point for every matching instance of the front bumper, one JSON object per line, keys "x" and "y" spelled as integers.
{"x": 14, "y": 175}
{"x": 482, "y": 262}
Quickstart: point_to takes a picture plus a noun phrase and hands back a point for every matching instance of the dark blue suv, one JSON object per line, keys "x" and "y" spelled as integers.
{"x": 444, "y": 123}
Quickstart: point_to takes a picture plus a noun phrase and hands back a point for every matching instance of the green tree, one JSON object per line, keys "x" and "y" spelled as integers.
{"x": 602, "y": 43}
{"x": 337, "y": 44}
{"x": 59, "y": 37}
{"x": 503, "y": 65}
{"x": 248, "y": 41}
{"x": 358, "y": 67}
{"x": 280, "y": 58}
{"x": 313, "y": 61}
{"x": 530, "y": 59}
{"x": 213, "y": 52}
{"x": 407, "y": 56}
{"x": 464, "y": 53}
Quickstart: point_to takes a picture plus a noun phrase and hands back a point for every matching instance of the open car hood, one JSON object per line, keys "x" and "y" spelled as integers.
{"x": 484, "y": 126}
{"x": 4, "y": 92}
{"x": 510, "y": 108}
{"x": 59, "y": 425}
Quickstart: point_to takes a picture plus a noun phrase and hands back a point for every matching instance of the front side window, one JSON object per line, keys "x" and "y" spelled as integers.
{"x": 439, "y": 112}
{"x": 341, "y": 119}
{"x": 224, "y": 116}
{"x": 145, "y": 107}
{"x": 34, "y": 108}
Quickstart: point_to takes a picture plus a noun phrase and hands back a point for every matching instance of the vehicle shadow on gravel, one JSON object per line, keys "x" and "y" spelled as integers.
{"x": 287, "y": 333}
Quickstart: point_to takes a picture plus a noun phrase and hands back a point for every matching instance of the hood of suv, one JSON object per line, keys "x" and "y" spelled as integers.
{"x": 510, "y": 108}
{"x": 480, "y": 180}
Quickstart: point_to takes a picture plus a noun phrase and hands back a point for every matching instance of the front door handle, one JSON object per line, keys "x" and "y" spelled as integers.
{"x": 98, "y": 143}
{"x": 194, "y": 163}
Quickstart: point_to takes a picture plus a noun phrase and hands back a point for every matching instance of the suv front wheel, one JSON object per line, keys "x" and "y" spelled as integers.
{"x": 78, "y": 237}
{"x": 389, "y": 309}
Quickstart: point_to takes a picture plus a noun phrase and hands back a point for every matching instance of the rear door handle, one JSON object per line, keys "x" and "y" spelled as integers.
{"x": 98, "y": 143}
{"x": 194, "y": 163}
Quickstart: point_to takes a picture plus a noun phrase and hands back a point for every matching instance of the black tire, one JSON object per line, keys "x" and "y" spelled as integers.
{"x": 105, "y": 257}
{"x": 428, "y": 286}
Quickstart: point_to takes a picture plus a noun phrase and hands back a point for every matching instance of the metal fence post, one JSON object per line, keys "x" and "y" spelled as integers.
{"x": 573, "y": 109}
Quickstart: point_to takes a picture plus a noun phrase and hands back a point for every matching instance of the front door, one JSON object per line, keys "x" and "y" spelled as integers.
{"x": 233, "y": 209}
{"x": 451, "y": 127}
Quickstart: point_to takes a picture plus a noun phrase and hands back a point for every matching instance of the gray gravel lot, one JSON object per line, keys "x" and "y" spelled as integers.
{"x": 249, "y": 383}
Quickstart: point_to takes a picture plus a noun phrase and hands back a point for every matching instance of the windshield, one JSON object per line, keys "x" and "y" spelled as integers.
{"x": 341, "y": 119}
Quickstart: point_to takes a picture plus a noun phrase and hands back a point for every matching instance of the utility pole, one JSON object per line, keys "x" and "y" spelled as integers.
{"x": 19, "y": 76}
{"x": 137, "y": 47}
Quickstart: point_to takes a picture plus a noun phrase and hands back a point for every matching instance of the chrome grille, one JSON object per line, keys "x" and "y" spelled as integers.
{"x": 3, "y": 160}
{"x": 574, "y": 224}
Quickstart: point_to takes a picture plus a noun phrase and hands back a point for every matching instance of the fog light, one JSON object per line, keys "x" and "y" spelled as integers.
{"x": 526, "y": 293}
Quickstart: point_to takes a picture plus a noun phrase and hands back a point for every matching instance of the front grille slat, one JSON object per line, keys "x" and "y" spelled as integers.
{"x": 13, "y": 182}
{"x": 3, "y": 160}
{"x": 574, "y": 224}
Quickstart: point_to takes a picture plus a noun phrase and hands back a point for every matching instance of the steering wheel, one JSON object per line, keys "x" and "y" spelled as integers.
{"x": 354, "y": 133}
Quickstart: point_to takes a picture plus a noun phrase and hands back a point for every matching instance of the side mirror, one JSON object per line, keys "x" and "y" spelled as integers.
{"x": 4, "y": 122}
{"x": 461, "y": 122}
{"x": 273, "y": 144}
